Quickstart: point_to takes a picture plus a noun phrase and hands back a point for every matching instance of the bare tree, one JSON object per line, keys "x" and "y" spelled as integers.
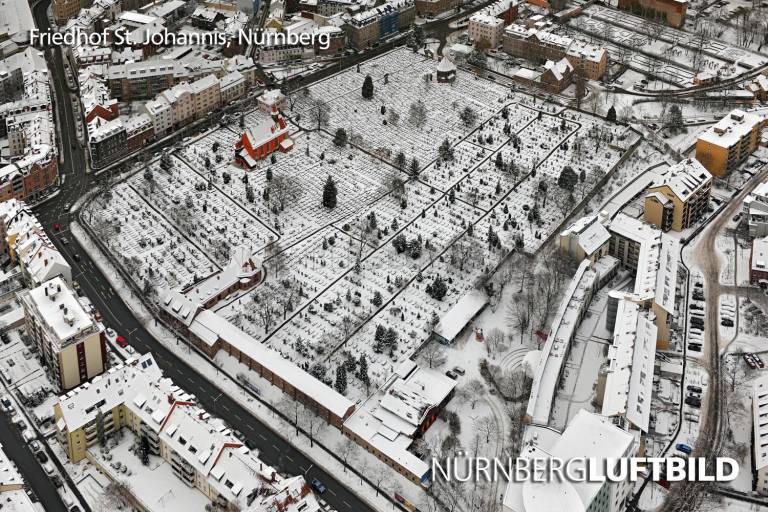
{"x": 487, "y": 427}
{"x": 475, "y": 390}
{"x": 461, "y": 253}
{"x": 285, "y": 188}
{"x": 320, "y": 114}
{"x": 494, "y": 340}
{"x": 434, "y": 354}
{"x": 264, "y": 298}
{"x": 344, "y": 449}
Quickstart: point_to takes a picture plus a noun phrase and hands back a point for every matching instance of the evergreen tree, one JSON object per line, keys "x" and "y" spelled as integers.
{"x": 400, "y": 160}
{"x": 391, "y": 338}
{"x": 567, "y": 179}
{"x": 362, "y": 371}
{"x": 329, "y": 193}
{"x": 340, "y": 138}
{"x": 269, "y": 174}
{"x": 413, "y": 170}
{"x": 445, "y": 150}
{"x": 368, "y": 87}
{"x": 377, "y": 300}
{"x": 438, "y": 288}
{"x": 341, "y": 379}
{"x": 611, "y": 115}
{"x": 452, "y": 196}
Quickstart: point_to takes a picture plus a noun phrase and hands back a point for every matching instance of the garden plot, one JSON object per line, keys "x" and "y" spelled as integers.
{"x": 384, "y": 124}
{"x": 146, "y": 244}
{"x": 200, "y": 210}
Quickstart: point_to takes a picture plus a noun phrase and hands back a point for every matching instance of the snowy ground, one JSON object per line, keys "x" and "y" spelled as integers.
{"x": 174, "y": 226}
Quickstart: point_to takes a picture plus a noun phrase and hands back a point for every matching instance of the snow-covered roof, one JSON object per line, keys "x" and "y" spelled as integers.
{"x": 204, "y": 83}
{"x": 271, "y": 97}
{"x": 667, "y": 262}
{"x": 684, "y": 179}
{"x": 590, "y": 233}
{"x": 587, "y": 436}
{"x": 99, "y": 130}
{"x": 731, "y": 129}
{"x": 760, "y": 254}
{"x": 211, "y": 327}
{"x": 242, "y": 265}
{"x": 457, "y": 318}
{"x": 631, "y": 357}
{"x": 59, "y": 312}
{"x": 445, "y": 65}
{"x": 17, "y": 22}
{"x": 555, "y": 350}
{"x": 559, "y": 68}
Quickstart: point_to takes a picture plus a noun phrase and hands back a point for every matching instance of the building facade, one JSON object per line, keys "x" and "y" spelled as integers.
{"x": 724, "y": 146}
{"x": 69, "y": 339}
{"x": 671, "y": 12}
{"x": 755, "y": 211}
{"x": 680, "y": 198}
{"x": 758, "y": 262}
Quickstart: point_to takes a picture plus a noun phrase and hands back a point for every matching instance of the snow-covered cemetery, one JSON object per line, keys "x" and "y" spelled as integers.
{"x": 383, "y": 257}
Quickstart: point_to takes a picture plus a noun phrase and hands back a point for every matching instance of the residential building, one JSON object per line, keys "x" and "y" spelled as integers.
{"x": 39, "y": 260}
{"x": 68, "y": 338}
{"x": 182, "y": 103}
{"x": 232, "y": 86}
{"x": 729, "y": 142}
{"x": 367, "y": 28}
{"x": 142, "y": 80}
{"x": 161, "y": 114}
{"x": 587, "y": 436}
{"x": 486, "y": 30}
{"x": 755, "y": 211}
{"x": 63, "y": 10}
{"x": 107, "y": 142}
{"x": 557, "y": 76}
{"x": 671, "y": 12}
{"x": 540, "y": 46}
{"x": 760, "y": 434}
{"x": 13, "y": 489}
{"x": 434, "y": 7}
{"x": 138, "y": 130}
{"x": 655, "y": 258}
{"x": 263, "y": 139}
{"x": 94, "y": 95}
{"x": 206, "y": 93}
{"x": 758, "y": 262}
{"x": 679, "y": 198}
{"x": 625, "y": 382}
{"x": 578, "y": 296}
{"x": 16, "y": 25}
{"x": 31, "y": 177}
{"x": 200, "y": 451}
{"x": 587, "y": 238}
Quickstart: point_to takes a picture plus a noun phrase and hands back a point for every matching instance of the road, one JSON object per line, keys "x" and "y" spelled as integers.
{"x": 273, "y": 449}
{"x": 18, "y": 451}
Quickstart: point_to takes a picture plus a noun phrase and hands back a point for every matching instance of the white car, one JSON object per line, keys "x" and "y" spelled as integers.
{"x": 111, "y": 334}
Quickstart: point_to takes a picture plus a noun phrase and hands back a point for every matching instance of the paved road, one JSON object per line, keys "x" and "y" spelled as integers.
{"x": 18, "y": 451}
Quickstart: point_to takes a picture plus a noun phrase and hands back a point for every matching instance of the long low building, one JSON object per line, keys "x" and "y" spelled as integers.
{"x": 211, "y": 333}
{"x": 576, "y": 300}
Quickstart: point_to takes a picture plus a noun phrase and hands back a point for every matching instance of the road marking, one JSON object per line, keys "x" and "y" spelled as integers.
{"x": 332, "y": 492}
{"x": 223, "y": 406}
{"x": 250, "y": 427}
{"x": 262, "y": 437}
{"x": 347, "y": 504}
{"x": 276, "y": 448}
{"x": 289, "y": 458}
{"x": 238, "y": 417}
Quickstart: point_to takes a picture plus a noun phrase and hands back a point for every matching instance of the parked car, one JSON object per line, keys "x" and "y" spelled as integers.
{"x": 6, "y": 402}
{"x": 451, "y": 375}
{"x": 695, "y": 389}
{"x": 693, "y": 401}
{"x": 318, "y": 486}
{"x": 120, "y": 340}
{"x": 684, "y": 448}
{"x": 459, "y": 370}
{"x": 696, "y": 347}
{"x": 41, "y": 457}
{"x": 48, "y": 469}
{"x": 750, "y": 362}
{"x": 726, "y": 322}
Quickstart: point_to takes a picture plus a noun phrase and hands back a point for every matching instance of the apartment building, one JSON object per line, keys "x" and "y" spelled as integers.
{"x": 587, "y": 238}
{"x": 161, "y": 114}
{"x": 69, "y": 339}
{"x": 232, "y": 86}
{"x": 671, "y": 12}
{"x": 680, "y": 198}
{"x": 31, "y": 177}
{"x": 142, "y": 80}
{"x": 200, "y": 452}
{"x": 138, "y": 131}
{"x": 182, "y": 103}
{"x": 107, "y": 142}
{"x": 434, "y": 7}
{"x": 729, "y": 142}
{"x": 760, "y": 434}
{"x": 63, "y": 10}
{"x": 487, "y": 29}
{"x": 206, "y": 93}
{"x": 758, "y": 262}
{"x": 369, "y": 27}
{"x": 755, "y": 211}
{"x": 540, "y": 46}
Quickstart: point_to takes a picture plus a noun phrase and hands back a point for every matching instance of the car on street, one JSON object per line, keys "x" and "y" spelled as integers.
{"x": 693, "y": 401}
{"x": 451, "y": 375}
{"x": 76, "y": 257}
{"x": 41, "y": 457}
{"x": 318, "y": 486}
{"x": 682, "y": 447}
{"x": 696, "y": 347}
{"x": 64, "y": 240}
{"x": 110, "y": 332}
{"x": 459, "y": 370}
{"x": 67, "y": 206}
{"x": 694, "y": 389}
{"x": 56, "y": 226}
{"x": 120, "y": 340}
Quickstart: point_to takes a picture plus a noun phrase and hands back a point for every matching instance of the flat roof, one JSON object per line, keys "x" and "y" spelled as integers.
{"x": 731, "y": 128}
{"x": 59, "y": 311}
{"x": 457, "y": 318}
